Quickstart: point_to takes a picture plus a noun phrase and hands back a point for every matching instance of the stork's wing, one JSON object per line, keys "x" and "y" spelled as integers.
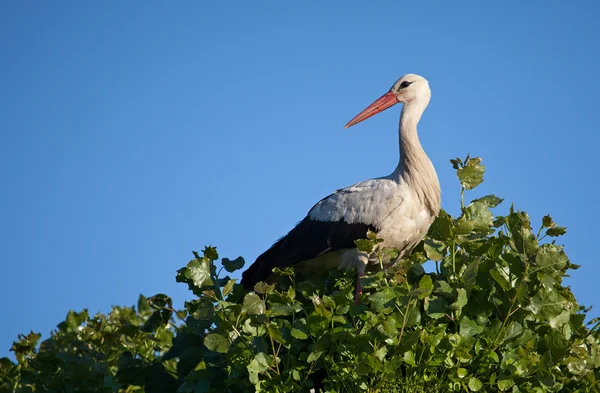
{"x": 367, "y": 202}
{"x": 334, "y": 223}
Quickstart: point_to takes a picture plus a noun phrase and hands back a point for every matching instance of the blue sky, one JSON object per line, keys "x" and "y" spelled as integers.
{"x": 133, "y": 133}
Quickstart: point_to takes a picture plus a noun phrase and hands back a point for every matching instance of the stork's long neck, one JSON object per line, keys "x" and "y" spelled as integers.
{"x": 414, "y": 167}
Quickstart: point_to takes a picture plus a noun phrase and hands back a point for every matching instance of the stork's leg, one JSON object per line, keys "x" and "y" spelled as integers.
{"x": 361, "y": 265}
{"x": 354, "y": 259}
{"x": 358, "y": 290}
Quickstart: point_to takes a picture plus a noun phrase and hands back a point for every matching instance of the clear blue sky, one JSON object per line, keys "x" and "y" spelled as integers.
{"x": 133, "y": 133}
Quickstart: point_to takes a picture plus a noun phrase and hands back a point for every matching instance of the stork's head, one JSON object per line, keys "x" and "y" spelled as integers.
{"x": 410, "y": 88}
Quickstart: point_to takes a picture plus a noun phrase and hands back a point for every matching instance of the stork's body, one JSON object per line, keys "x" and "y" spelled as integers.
{"x": 400, "y": 207}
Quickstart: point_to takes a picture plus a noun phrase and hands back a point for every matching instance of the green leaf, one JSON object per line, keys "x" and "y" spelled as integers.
{"x": 296, "y": 375}
{"x": 434, "y": 249}
{"x": 505, "y": 382}
{"x": 558, "y": 345}
{"x": 252, "y": 328}
{"x": 210, "y": 253}
{"x": 425, "y": 287}
{"x": 409, "y": 358}
{"x": 462, "y": 372}
{"x": 556, "y": 231}
{"x": 546, "y": 305}
{"x": 276, "y": 333}
{"x": 280, "y": 310}
{"x": 546, "y": 280}
{"x": 489, "y": 200}
{"x": 523, "y": 240}
{"x": 314, "y": 356}
{"x": 263, "y": 289}
{"x": 514, "y": 330}
{"x": 202, "y": 308}
{"x": 413, "y": 318}
{"x": 142, "y": 305}
{"x": 365, "y": 245}
{"x": 371, "y": 235}
{"x": 456, "y": 163}
{"x": 217, "y": 343}
{"x": 548, "y": 222}
{"x": 415, "y": 272}
{"x": 73, "y": 321}
{"x": 475, "y": 384}
{"x": 253, "y": 305}
{"x": 125, "y": 360}
{"x": 479, "y": 214}
{"x": 443, "y": 288}
{"x": 436, "y": 307}
{"x": 494, "y": 356}
{"x": 232, "y": 266}
{"x": 158, "y": 318}
{"x": 388, "y": 326}
{"x": 470, "y": 274}
{"x": 287, "y": 271}
{"x": 560, "y": 320}
{"x": 264, "y": 361}
{"x": 299, "y": 334}
{"x": 471, "y": 175}
{"x": 441, "y": 229}
{"x": 380, "y": 353}
{"x": 469, "y": 328}
{"x": 382, "y": 299}
{"x": 461, "y": 300}
{"x": 499, "y": 278}
{"x": 160, "y": 301}
{"x": 260, "y": 363}
{"x": 462, "y": 226}
{"x": 228, "y": 287}
{"x": 291, "y": 292}
{"x": 196, "y": 274}
{"x": 551, "y": 258}
{"x": 545, "y": 375}
{"x": 392, "y": 253}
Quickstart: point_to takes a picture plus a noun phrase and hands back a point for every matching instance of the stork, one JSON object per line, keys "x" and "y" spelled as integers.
{"x": 399, "y": 207}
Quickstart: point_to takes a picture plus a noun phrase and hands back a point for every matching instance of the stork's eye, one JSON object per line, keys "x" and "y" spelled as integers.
{"x": 405, "y": 84}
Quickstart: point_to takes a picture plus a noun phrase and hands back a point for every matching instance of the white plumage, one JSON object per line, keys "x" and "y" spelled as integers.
{"x": 399, "y": 207}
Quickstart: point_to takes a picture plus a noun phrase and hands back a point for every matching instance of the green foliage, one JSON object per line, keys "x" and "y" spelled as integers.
{"x": 103, "y": 353}
{"x": 493, "y": 317}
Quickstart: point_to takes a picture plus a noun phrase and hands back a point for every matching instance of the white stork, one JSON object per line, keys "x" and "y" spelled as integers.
{"x": 400, "y": 207}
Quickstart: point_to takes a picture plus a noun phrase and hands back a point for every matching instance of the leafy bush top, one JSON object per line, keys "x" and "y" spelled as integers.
{"x": 494, "y": 316}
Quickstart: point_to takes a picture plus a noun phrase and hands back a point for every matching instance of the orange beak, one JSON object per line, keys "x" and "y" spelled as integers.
{"x": 382, "y": 103}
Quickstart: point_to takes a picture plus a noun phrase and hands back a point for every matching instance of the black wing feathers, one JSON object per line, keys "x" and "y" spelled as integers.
{"x": 306, "y": 241}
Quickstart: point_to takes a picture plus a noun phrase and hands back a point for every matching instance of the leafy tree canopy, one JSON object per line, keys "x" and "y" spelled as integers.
{"x": 493, "y": 317}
